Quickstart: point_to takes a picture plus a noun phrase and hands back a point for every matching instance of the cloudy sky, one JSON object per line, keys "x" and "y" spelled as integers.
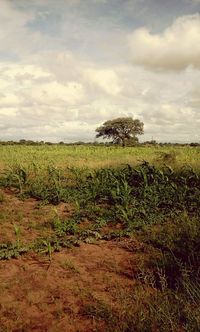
{"x": 66, "y": 66}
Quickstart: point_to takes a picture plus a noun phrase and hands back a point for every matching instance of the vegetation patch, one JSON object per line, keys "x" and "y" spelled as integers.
{"x": 151, "y": 210}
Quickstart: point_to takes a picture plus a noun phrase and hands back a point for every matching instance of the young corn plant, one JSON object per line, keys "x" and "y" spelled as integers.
{"x": 17, "y": 230}
{"x": 121, "y": 194}
{"x": 16, "y": 177}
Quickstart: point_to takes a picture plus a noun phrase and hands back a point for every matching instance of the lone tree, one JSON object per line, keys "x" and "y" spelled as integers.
{"x": 121, "y": 130}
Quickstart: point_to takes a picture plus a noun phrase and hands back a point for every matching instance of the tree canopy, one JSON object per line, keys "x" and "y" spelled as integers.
{"x": 121, "y": 130}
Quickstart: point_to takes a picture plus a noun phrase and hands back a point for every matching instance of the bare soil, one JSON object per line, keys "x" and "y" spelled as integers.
{"x": 38, "y": 294}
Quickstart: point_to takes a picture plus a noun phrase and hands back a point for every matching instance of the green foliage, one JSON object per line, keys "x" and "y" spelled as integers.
{"x": 134, "y": 195}
{"x": 159, "y": 204}
{"x": 12, "y": 250}
{"x": 90, "y": 236}
{"x": 51, "y": 187}
{"x": 15, "y": 176}
{"x": 46, "y": 245}
{"x": 65, "y": 227}
{"x": 52, "y": 244}
{"x": 142, "y": 195}
{"x": 121, "y": 130}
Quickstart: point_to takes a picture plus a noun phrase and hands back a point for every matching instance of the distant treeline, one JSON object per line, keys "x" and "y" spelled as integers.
{"x": 147, "y": 143}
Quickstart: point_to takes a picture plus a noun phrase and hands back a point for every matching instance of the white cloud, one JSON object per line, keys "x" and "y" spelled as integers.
{"x": 16, "y": 37}
{"x": 23, "y": 72}
{"x": 176, "y": 48}
{"x": 9, "y": 100}
{"x": 37, "y": 102}
{"x": 106, "y": 79}
{"x": 56, "y": 93}
{"x": 61, "y": 87}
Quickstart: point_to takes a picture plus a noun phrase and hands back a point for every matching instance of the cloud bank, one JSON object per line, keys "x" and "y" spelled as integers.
{"x": 62, "y": 75}
{"x": 176, "y": 48}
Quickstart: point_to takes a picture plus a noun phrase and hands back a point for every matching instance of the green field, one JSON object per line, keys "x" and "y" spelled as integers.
{"x": 107, "y": 238}
{"x": 95, "y": 157}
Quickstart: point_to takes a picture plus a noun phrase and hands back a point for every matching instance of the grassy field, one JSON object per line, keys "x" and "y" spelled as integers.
{"x": 94, "y": 157}
{"x": 99, "y": 238}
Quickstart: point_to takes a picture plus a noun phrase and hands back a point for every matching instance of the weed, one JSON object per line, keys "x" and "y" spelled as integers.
{"x": 98, "y": 310}
{"x": 69, "y": 265}
{"x": 12, "y": 250}
{"x": 18, "y": 234}
{"x": 64, "y": 227}
{"x": 90, "y": 236}
{"x": 53, "y": 244}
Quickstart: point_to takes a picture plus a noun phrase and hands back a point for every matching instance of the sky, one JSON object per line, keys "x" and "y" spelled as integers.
{"x": 67, "y": 66}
